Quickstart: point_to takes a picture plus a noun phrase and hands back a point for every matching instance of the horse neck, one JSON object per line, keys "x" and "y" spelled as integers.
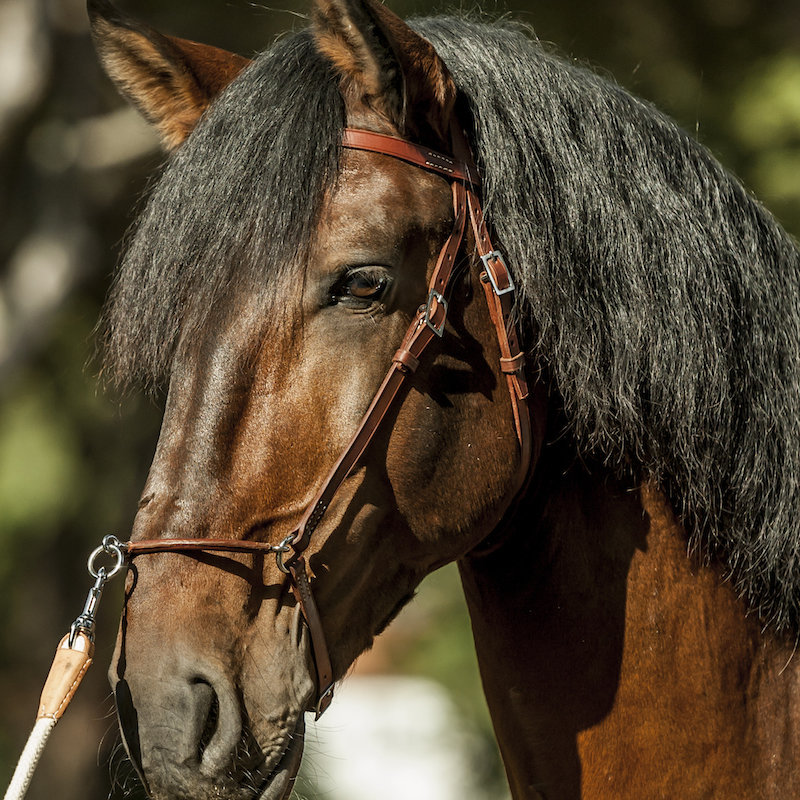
{"x": 614, "y": 664}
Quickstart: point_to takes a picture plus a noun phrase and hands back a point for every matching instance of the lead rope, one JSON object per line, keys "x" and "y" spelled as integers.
{"x": 71, "y": 662}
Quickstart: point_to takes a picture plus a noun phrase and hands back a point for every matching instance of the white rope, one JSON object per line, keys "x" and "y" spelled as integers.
{"x": 29, "y": 758}
{"x": 73, "y": 657}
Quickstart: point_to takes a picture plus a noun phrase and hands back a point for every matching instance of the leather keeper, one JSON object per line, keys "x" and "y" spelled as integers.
{"x": 499, "y": 275}
{"x": 520, "y": 386}
{"x": 512, "y": 365}
{"x": 408, "y": 361}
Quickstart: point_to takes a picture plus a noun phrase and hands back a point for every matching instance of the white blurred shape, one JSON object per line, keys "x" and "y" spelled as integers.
{"x": 40, "y": 273}
{"x": 109, "y": 140}
{"x": 24, "y": 58}
{"x": 113, "y": 139}
{"x": 393, "y": 738}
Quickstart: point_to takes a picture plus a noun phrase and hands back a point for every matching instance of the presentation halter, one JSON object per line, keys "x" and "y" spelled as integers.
{"x": 427, "y": 326}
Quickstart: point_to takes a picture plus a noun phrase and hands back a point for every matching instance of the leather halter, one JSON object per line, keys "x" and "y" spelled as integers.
{"x": 427, "y": 326}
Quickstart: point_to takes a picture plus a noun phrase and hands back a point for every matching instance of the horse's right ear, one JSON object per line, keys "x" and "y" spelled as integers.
{"x": 385, "y": 66}
{"x": 171, "y": 81}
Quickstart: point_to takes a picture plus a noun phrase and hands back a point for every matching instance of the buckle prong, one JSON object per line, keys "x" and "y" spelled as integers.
{"x": 280, "y": 550}
{"x": 323, "y": 702}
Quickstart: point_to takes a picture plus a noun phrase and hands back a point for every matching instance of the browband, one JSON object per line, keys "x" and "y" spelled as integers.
{"x": 424, "y": 157}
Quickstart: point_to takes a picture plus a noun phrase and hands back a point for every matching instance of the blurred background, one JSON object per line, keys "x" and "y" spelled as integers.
{"x": 73, "y": 164}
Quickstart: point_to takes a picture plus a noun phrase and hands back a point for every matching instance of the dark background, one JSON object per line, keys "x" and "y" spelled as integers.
{"x": 73, "y": 163}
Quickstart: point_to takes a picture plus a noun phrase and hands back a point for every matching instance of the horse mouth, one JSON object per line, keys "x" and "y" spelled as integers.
{"x": 277, "y": 785}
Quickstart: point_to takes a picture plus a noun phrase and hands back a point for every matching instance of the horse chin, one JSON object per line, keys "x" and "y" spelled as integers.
{"x": 278, "y": 783}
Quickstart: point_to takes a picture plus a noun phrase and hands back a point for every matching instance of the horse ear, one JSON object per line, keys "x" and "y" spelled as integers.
{"x": 171, "y": 81}
{"x": 386, "y": 67}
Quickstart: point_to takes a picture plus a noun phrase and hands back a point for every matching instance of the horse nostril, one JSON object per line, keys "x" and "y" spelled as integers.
{"x": 180, "y": 724}
{"x": 217, "y": 723}
{"x": 212, "y": 720}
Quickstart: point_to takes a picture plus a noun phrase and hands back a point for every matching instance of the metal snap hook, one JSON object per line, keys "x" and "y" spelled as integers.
{"x": 85, "y": 623}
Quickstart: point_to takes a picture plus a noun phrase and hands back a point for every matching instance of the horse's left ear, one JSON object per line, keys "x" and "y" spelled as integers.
{"x": 170, "y": 80}
{"x": 386, "y": 67}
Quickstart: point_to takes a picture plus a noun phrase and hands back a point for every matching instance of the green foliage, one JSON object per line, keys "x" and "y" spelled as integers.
{"x": 39, "y": 464}
{"x": 765, "y": 119}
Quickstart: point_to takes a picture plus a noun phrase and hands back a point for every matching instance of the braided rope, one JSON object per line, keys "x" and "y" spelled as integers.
{"x": 26, "y": 765}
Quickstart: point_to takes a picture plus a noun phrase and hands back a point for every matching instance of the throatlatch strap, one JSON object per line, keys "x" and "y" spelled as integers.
{"x": 500, "y": 293}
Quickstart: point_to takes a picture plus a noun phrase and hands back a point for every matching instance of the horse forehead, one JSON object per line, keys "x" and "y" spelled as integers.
{"x": 381, "y": 193}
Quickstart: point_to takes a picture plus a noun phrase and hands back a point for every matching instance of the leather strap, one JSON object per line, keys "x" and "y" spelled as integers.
{"x": 432, "y": 160}
{"x": 322, "y": 659}
{"x": 144, "y": 546}
{"x": 500, "y": 293}
{"x": 428, "y": 324}
{"x": 299, "y": 584}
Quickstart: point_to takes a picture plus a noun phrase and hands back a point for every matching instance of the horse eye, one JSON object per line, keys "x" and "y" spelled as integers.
{"x": 365, "y": 286}
{"x": 361, "y": 286}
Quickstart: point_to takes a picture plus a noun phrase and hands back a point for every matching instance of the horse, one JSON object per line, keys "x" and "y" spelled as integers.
{"x": 617, "y": 478}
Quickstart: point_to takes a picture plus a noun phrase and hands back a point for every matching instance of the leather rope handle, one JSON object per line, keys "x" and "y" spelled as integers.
{"x": 70, "y": 664}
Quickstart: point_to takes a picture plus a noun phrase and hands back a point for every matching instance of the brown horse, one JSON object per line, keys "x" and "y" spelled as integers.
{"x": 271, "y": 280}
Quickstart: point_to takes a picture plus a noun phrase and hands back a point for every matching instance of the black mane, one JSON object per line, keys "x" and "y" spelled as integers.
{"x": 664, "y": 297}
{"x": 233, "y": 211}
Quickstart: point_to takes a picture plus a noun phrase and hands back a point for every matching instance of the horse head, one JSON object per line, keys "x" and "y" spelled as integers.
{"x": 214, "y": 666}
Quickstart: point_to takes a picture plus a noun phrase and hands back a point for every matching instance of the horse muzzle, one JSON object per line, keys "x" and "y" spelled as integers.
{"x": 199, "y": 726}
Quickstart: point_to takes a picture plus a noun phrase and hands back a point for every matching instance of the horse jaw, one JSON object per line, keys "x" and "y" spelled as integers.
{"x": 222, "y": 470}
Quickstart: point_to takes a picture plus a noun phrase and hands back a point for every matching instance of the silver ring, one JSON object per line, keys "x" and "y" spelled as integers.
{"x": 111, "y": 547}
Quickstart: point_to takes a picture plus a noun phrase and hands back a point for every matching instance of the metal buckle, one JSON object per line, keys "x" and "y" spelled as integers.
{"x": 427, "y": 319}
{"x": 323, "y": 702}
{"x": 497, "y": 256}
{"x": 285, "y": 546}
